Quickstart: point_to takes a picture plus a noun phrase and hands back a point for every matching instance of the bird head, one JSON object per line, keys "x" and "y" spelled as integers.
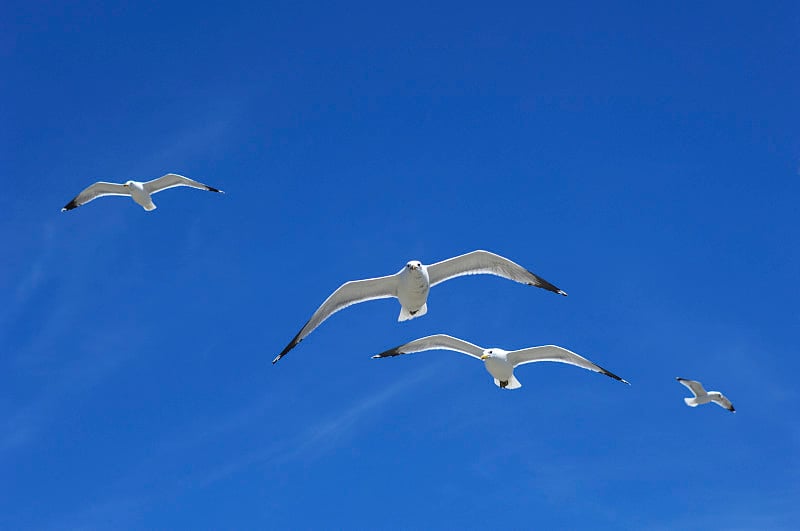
{"x": 127, "y": 184}
{"x": 414, "y": 265}
{"x": 487, "y": 354}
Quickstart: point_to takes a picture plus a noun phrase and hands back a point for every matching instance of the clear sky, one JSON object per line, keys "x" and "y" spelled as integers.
{"x": 642, "y": 157}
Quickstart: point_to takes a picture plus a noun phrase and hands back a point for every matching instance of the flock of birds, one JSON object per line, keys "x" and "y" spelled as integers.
{"x": 410, "y": 286}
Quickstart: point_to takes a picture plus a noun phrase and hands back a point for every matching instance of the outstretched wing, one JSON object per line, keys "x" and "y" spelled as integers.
{"x": 484, "y": 262}
{"x": 171, "y": 180}
{"x": 724, "y": 402}
{"x": 435, "y": 342}
{"x": 98, "y": 189}
{"x": 557, "y": 354}
{"x": 348, "y": 294}
{"x": 693, "y": 385}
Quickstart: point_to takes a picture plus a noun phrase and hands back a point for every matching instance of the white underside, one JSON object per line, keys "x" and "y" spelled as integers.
{"x": 513, "y": 383}
{"x": 405, "y": 314}
{"x": 142, "y": 199}
{"x": 412, "y": 292}
{"x": 502, "y": 371}
{"x": 697, "y": 401}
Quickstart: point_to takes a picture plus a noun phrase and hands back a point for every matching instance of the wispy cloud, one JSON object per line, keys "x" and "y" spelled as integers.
{"x": 32, "y": 277}
{"x": 740, "y": 512}
{"x": 23, "y": 424}
{"x": 118, "y": 513}
{"x": 320, "y": 437}
{"x": 311, "y": 442}
{"x": 326, "y": 434}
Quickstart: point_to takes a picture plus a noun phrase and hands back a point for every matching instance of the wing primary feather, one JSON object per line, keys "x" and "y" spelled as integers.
{"x": 293, "y": 343}
{"x": 171, "y": 180}
{"x": 69, "y": 206}
{"x": 434, "y": 342}
{"x": 389, "y": 353}
{"x": 611, "y": 374}
{"x": 486, "y": 262}
{"x": 694, "y": 386}
{"x": 346, "y": 295}
{"x": 93, "y": 191}
{"x": 542, "y": 283}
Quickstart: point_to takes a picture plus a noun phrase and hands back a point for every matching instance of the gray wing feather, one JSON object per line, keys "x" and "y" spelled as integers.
{"x": 694, "y": 386}
{"x": 348, "y": 294}
{"x": 435, "y": 342}
{"x": 557, "y": 354}
{"x": 92, "y": 192}
{"x": 171, "y": 180}
{"x": 484, "y": 262}
{"x": 724, "y": 402}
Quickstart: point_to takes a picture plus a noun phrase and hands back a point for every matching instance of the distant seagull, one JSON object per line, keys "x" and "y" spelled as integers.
{"x": 140, "y": 192}
{"x": 498, "y": 362}
{"x": 412, "y": 284}
{"x": 702, "y": 397}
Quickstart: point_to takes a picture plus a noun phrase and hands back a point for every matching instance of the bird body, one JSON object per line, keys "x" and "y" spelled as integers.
{"x": 413, "y": 287}
{"x": 412, "y": 284}
{"x": 140, "y": 192}
{"x": 498, "y": 362}
{"x": 140, "y": 195}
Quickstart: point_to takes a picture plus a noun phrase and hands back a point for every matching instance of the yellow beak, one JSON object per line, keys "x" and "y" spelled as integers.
{"x": 485, "y": 357}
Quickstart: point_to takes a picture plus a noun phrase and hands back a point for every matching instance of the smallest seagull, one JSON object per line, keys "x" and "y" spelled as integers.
{"x": 701, "y": 396}
{"x": 139, "y": 192}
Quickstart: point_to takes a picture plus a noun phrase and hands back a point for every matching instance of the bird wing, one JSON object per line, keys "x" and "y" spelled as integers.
{"x": 557, "y": 354}
{"x": 724, "y": 402}
{"x": 348, "y": 294}
{"x": 693, "y": 385}
{"x": 435, "y": 342}
{"x": 484, "y": 262}
{"x": 171, "y": 180}
{"x": 98, "y": 189}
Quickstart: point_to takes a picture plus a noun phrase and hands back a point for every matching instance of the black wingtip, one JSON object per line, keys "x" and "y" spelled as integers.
{"x": 539, "y": 282}
{"x": 69, "y": 206}
{"x": 283, "y": 353}
{"x": 612, "y": 375}
{"x": 388, "y": 353}
{"x": 212, "y": 189}
{"x": 293, "y": 343}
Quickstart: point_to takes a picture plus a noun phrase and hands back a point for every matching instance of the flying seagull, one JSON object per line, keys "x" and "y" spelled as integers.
{"x": 140, "y": 192}
{"x": 412, "y": 284}
{"x": 498, "y": 362}
{"x": 701, "y": 396}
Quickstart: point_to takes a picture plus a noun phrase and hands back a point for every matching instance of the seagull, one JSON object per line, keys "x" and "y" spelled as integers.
{"x": 498, "y": 362}
{"x": 140, "y": 192}
{"x": 701, "y": 396}
{"x": 411, "y": 286}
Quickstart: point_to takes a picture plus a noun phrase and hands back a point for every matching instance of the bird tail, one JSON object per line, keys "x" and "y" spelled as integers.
{"x": 149, "y": 207}
{"x": 691, "y": 402}
{"x": 406, "y": 315}
{"x": 513, "y": 383}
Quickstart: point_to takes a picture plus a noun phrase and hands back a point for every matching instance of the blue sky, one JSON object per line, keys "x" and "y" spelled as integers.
{"x": 643, "y": 158}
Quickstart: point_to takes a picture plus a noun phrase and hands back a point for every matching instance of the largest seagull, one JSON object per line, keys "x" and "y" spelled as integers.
{"x": 138, "y": 191}
{"x": 412, "y": 284}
